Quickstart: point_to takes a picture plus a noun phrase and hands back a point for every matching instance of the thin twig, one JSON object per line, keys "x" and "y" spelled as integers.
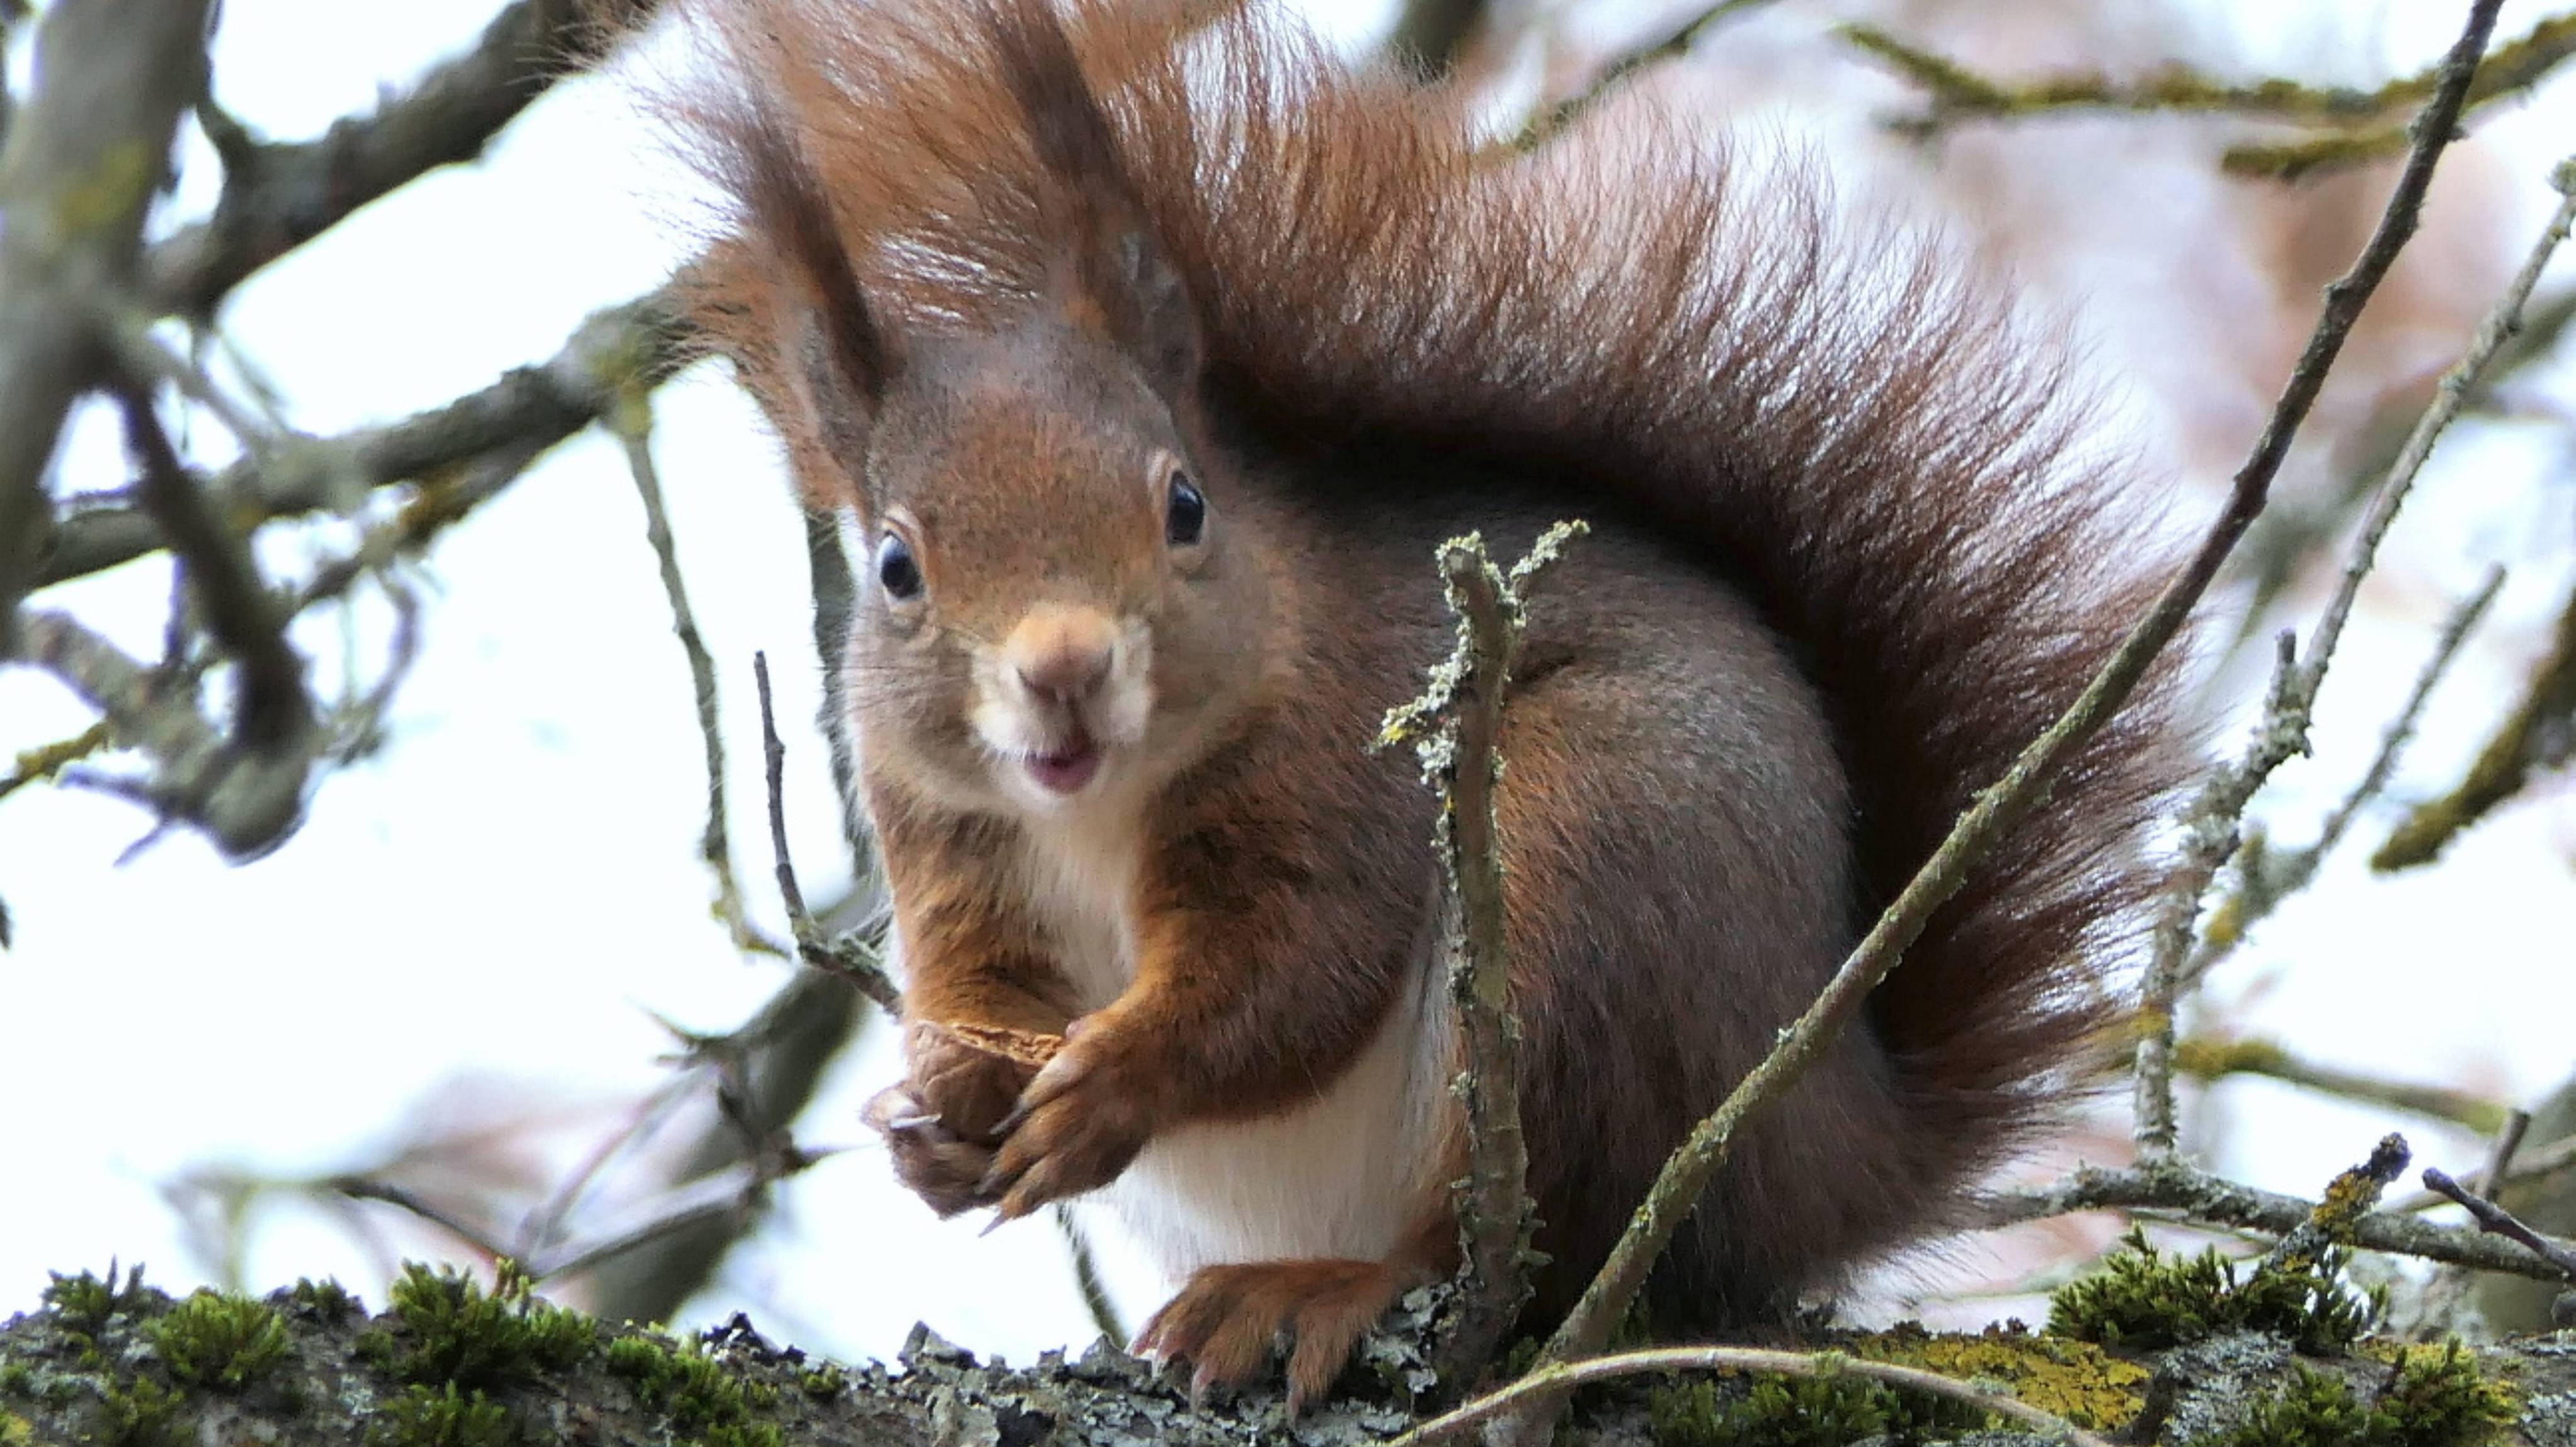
{"x": 851, "y": 956}
{"x": 2503, "y": 764}
{"x": 1549, "y": 123}
{"x": 1564, "y": 1376}
{"x": 2205, "y": 1059}
{"x": 2350, "y": 1196}
{"x": 2266, "y": 878}
{"x": 1086, "y": 1278}
{"x": 2173, "y": 1189}
{"x": 271, "y": 711}
{"x": 2497, "y": 1220}
{"x": 2212, "y": 824}
{"x": 1685, "y": 1177}
{"x": 632, "y": 420}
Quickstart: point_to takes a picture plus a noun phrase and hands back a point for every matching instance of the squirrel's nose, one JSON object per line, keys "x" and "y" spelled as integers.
{"x": 1062, "y": 652}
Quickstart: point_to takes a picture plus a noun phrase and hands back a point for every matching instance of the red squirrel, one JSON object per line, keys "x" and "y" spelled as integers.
{"x": 1153, "y": 350}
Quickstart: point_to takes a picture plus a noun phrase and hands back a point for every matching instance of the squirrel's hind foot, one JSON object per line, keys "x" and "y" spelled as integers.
{"x": 1226, "y": 1320}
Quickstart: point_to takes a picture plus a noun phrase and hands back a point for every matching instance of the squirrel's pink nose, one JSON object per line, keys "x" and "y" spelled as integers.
{"x": 1062, "y": 652}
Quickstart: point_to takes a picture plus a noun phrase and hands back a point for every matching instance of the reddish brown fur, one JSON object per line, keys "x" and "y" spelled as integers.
{"x": 1846, "y": 568}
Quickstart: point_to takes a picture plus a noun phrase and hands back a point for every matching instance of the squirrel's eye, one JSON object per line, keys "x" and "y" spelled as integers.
{"x": 1185, "y": 517}
{"x": 897, "y": 570}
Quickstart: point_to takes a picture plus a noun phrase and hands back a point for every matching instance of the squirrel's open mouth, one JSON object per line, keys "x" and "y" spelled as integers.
{"x": 1065, "y": 770}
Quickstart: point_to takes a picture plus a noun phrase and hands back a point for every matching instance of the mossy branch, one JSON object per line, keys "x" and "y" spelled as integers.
{"x": 2364, "y": 125}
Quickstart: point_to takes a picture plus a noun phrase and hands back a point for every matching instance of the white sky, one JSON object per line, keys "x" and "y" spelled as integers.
{"x": 511, "y": 886}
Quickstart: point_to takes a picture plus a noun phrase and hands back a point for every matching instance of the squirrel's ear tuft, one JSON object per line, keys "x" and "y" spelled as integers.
{"x": 1112, "y": 274}
{"x": 832, "y": 347}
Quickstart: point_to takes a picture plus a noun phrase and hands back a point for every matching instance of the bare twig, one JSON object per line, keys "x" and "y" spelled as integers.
{"x": 2172, "y": 1189}
{"x": 278, "y": 196}
{"x": 2499, "y": 1221}
{"x": 2212, "y": 823}
{"x": 1551, "y": 122}
{"x": 84, "y": 157}
{"x": 1454, "y": 727}
{"x": 852, "y": 957}
{"x": 1685, "y": 1177}
{"x": 246, "y": 800}
{"x": 1560, "y": 1377}
{"x": 2205, "y": 1059}
{"x": 2265, "y": 878}
{"x": 639, "y": 343}
{"x": 632, "y": 420}
{"x": 271, "y": 711}
{"x": 1086, "y": 1278}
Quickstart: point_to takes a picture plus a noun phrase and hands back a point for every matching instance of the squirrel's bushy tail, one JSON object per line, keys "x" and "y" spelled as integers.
{"x": 1861, "y": 440}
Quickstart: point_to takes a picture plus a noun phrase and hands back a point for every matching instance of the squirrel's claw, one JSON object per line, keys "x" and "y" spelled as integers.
{"x": 1224, "y": 1322}
{"x": 1076, "y": 1126}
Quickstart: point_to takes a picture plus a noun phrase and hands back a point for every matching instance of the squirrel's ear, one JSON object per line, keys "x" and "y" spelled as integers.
{"x": 1114, "y": 274}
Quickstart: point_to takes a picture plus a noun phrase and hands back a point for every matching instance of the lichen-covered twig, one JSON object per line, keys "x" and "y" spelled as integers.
{"x": 245, "y": 800}
{"x": 85, "y": 156}
{"x": 2212, "y": 823}
{"x": 2173, "y": 1189}
{"x": 2499, "y": 1221}
{"x": 2504, "y": 763}
{"x": 2203, "y": 1058}
{"x": 852, "y": 957}
{"x": 638, "y": 343}
{"x": 1548, "y": 123}
{"x": 1560, "y": 1377}
{"x": 2351, "y": 1195}
{"x": 1677, "y": 1191}
{"x": 2361, "y": 125}
{"x": 2266, "y": 877}
{"x": 277, "y": 196}
{"x": 1455, "y": 727}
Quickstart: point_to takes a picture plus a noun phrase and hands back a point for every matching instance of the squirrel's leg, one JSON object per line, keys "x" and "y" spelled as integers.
{"x": 1225, "y": 1320}
{"x": 1270, "y": 945}
{"x": 965, "y": 962}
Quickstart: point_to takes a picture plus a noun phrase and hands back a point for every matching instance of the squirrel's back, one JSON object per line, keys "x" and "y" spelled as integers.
{"x": 1861, "y": 447}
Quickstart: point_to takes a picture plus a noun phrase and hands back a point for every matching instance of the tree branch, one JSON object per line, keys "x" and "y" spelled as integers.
{"x": 277, "y": 196}
{"x": 84, "y": 158}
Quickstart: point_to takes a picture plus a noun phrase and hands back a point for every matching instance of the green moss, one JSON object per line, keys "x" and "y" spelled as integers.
{"x": 17, "y": 1379}
{"x": 1827, "y": 1411}
{"x": 2432, "y": 1397}
{"x": 83, "y": 1305}
{"x": 826, "y": 1380}
{"x": 443, "y": 1417}
{"x": 2142, "y": 1299}
{"x": 141, "y": 1413}
{"x": 15, "y": 1431}
{"x": 219, "y": 1340}
{"x": 2073, "y": 1379}
{"x": 681, "y": 1380}
{"x": 452, "y": 1331}
{"x": 326, "y": 1298}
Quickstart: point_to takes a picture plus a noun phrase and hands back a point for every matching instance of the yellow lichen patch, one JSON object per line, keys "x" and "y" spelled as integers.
{"x": 2075, "y": 1380}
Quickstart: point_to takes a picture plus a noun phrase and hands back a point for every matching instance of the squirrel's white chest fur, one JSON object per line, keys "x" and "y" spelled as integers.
{"x": 1340, "y": 1176}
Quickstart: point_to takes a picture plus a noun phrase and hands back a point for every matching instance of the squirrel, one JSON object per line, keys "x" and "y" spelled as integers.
{"x": 1152, "y": 350}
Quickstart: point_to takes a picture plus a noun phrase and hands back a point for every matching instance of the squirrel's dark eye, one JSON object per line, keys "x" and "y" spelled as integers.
{"x": 897, "y": 570}
{"x": 1185, "y": 516}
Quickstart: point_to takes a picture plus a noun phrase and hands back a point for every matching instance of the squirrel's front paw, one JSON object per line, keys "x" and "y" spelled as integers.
{"x": 1079, "y": 1123}
{"x": 933, "y": 1162}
